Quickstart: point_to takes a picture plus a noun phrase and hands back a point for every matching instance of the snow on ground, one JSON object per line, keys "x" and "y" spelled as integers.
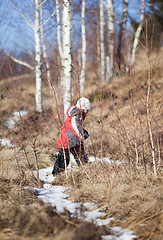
{"x": 55, "y": 196}
{"x": 10, "y": 122}
{"x": 6, "y": 142}
{"x": 119, "y": 234}
{"x": 104, "y": 160}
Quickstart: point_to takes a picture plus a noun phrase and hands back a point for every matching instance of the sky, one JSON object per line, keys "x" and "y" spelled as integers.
{"x": 16, "y": 36}
{"x": 12, "y": 28}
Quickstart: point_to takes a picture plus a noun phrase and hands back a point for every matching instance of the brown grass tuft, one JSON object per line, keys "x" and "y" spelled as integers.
{"x": 133, "y": 198}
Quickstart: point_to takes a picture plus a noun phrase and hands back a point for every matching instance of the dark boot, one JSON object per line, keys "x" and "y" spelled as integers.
{"x": 59, "y": 165}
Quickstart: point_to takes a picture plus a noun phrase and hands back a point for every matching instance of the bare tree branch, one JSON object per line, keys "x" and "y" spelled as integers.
{"x": 21, "y": 62}
{"x": 49, "y": 18}
{"x": 26, "y": 19}
{"x": 137, "y": 33}
{"x": 40, "y": 5}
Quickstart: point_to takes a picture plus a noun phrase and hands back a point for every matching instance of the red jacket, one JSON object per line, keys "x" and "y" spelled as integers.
{"x": 72, "y": 133}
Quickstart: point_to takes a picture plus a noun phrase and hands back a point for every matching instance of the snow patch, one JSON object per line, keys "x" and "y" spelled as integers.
{"x": 93, "y": 216}
{"x": 55, "y": 196}
{"x": 6, "y": 142}
{"x": 45, "y": 175}
{"x": 103, "y": 160}
{"x": 10, "y": 122}
{"x": 119, "y": 234}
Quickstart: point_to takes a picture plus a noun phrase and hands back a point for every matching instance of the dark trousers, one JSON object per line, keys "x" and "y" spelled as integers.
{"x": 64, "y": 157}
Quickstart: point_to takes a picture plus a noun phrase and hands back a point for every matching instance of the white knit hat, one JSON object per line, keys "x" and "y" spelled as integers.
{"x": 84, "y": 104}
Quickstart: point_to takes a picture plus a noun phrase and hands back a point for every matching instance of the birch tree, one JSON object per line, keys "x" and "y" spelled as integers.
{"x": 59, "y": 39}
{"x": 137, "y": 33}
{"x": 122, "y": 33}
{"x": 64, "y": 46}
{"x": 42, "y": 23}
{"x": 38, "y": 95}
{"x": 110, "y": 57}
{"x": 82, "y": 75}
{"x": 102, "y": 48}
{"x": 66, "y": 65}
{"x": 36, "y": 28}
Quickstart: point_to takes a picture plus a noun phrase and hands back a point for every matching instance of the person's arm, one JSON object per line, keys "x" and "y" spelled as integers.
{"x": 77, "y": 125}
{"x": 73, "y": 111}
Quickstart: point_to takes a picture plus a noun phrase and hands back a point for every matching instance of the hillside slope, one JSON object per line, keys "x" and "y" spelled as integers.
{"x": 119, "y": 128}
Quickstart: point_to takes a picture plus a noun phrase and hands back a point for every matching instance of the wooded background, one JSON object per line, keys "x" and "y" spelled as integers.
{"x": 59, "y": 39}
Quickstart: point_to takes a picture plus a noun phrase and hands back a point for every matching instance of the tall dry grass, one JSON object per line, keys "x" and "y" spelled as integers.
{"x": 34, "y": 138}
{"x": 119, "y": 128}
{"x": 133, "y": 199}
{"x": 126, "y": 119}
{"x": 125, "y": 124}
{"x": 24, "y": 218}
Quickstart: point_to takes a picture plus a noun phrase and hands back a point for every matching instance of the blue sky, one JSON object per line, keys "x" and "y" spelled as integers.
{"x": 17, "y": 36}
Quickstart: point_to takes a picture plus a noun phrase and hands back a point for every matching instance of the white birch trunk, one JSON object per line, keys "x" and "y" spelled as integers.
{"x": 102, "y": 48}
{"x": 66, "y": 20}
{"x": 59, "y": 29}
{"x": 149, "y": 123}
{"x": 44, "y": 46}
{"x": 82, "y": 75}
{"x": 38, "y": 96}
{"x": 111, "y": 38}
{"x": 59, "y": 39}
{"x": 137, "y": 34}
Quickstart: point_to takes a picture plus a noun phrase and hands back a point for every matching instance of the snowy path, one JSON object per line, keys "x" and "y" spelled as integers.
{"x": 55, "y": 196}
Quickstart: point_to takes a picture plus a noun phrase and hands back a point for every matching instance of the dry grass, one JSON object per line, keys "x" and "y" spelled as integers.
{"x": 118, "y": 128}
{"x": 118, "y": 120}
{"x": 134, "y": 199}
{"x": 37, "y": 221}
{"x": 24, "y": 217}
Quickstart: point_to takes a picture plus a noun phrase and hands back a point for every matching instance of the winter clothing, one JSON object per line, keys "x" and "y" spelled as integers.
{"x": 72, "y": 136}
{"x": 72, "y": 132}
{"x": 84, "y": 104}
{"x": 78, "y": 153}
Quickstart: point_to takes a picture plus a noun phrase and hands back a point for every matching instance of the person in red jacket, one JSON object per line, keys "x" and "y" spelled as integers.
{"x": 72, "y": 136}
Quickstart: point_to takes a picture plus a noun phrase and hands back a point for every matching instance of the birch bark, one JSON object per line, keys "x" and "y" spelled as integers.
{"x": 149, "y": 118}
{"x": 122, "y": 33}
{"x": 44, "y": 46}
{"x": 102, "y": 48}
{"x": 59, "y": 39}
{"x": 38, "y": 96}
{"x": 137, "y": 34}
{"x": 110, "y": 9}
{"x": 82, "y": 75}
{"x": 66, "y": 20}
